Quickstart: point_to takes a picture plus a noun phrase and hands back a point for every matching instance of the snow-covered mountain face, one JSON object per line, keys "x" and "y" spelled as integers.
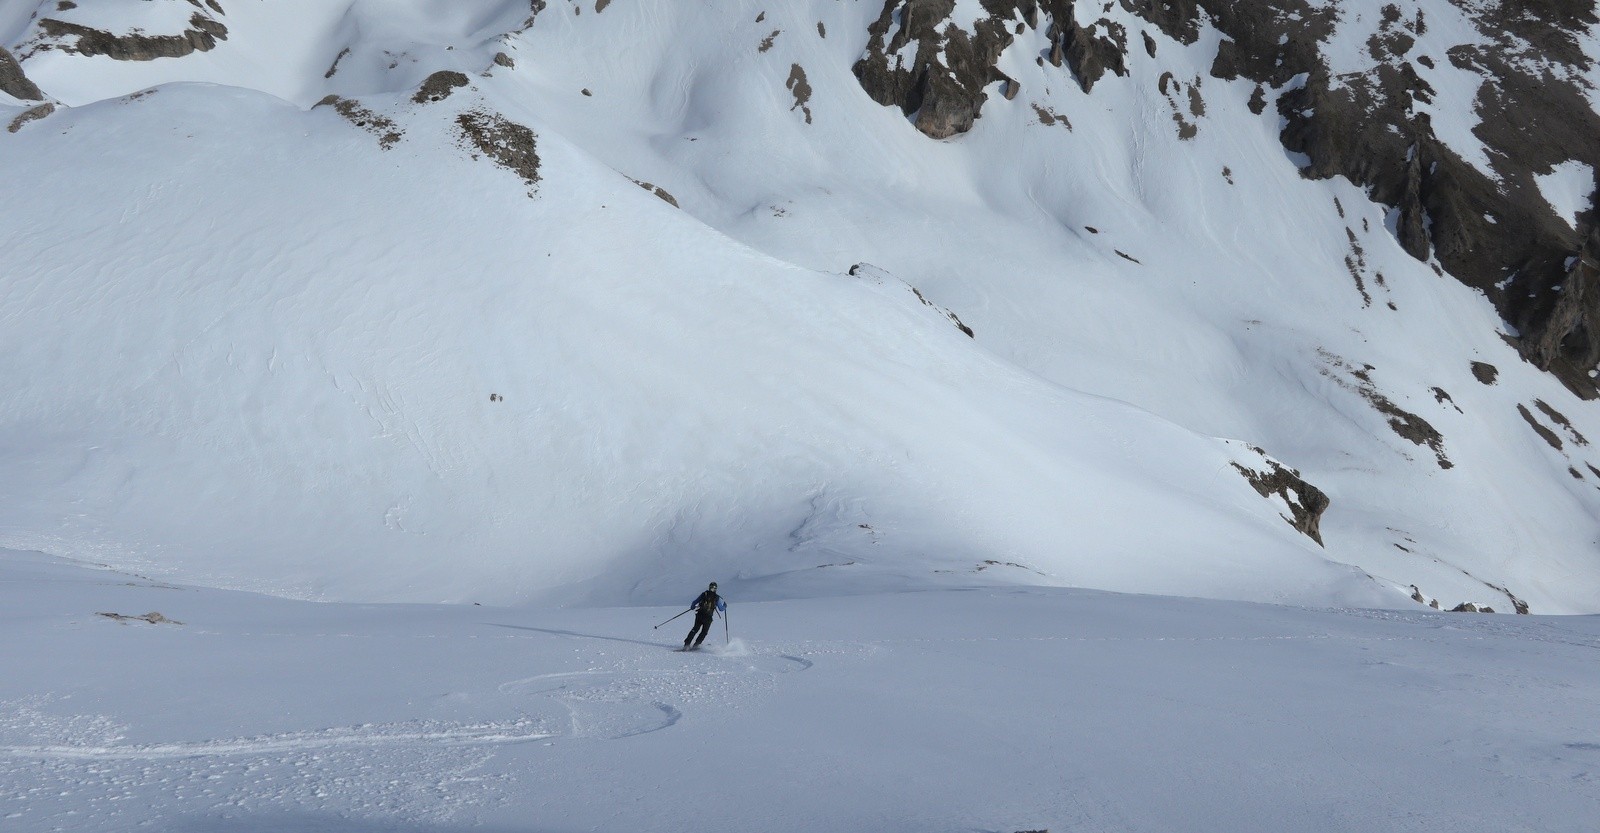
{"x": 589, "y": 302}
{"x": 1473, "y": 122}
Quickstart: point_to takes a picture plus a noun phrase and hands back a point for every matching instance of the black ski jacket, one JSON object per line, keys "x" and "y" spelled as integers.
{"x": 707, "y": 603}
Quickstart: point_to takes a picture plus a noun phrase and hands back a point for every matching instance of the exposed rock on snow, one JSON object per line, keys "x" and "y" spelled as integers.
{"x": 153, "y": 618}
{"x": 333, "y": 68}
{"x": 1306, "y": 502}
{"x": 954, "y": 319}
{"x": 1404, "y": 423}
{"x": 1089, "y": 51}
{"x": 439, "y": 85}
{"x": 1186, "y": 103}
{"x": 511, "y": 145}
{"x": 201, "y": 36}
{"x": 879, "y": 277}
{"x": 801, "y": 88}
{"x": 931, "y": 68}
{"x": 383, "y": 127}
{"x": 29, "y": 115}
{"x": 1539, "y": 428}
{"x": 534, "y": 8}
{"x": 1561, "y": 419}
{"x": 1565, "y": 339}
{"x": 935, "y": 68}
{"x": 657, "y": 190}
{"x": 1416, "y": 596}
{"x": 1050, "y": 118}
{"x": 14, "y": 82}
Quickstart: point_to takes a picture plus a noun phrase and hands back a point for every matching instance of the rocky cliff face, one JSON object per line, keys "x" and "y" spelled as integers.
{"x": 1471, "y": 204}
{"x": 935, "y": 70}
{"x": 1488, "y": 226}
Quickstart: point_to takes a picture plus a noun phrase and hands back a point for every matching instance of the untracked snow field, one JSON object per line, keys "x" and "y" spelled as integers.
{"x": 990, "y": 709}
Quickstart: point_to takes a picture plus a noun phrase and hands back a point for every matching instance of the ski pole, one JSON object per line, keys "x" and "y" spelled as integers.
{"x": 669, "y": 620}
{"x": 726, "y": 639}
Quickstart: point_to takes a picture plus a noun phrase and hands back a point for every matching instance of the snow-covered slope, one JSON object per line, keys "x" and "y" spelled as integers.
{"x": 500, "y": 301}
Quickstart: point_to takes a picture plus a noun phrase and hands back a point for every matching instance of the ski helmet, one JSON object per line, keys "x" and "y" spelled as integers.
{"x": 713, "y": 585}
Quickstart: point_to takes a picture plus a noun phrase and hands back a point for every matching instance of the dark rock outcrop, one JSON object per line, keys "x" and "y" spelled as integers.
{"x": 801, "y": 89}
{"x": 935, "y": 71}
{"x": 868, "y": 272}
{"x": 1269, "y": 41}
{"x": 510, "y": 145}
{"x": 31, "y": 114}
{"x": 1485, "y": 372}
{"x": 1088, "y": 51}
{"x": 940, "y": 85}
{"x": 1550, "y": 437}
{"x": 439, "y": 86}
{"x": 153, "y": 618}
{"x": 1306, "y": 502}
{"x": 1562, "y": 335}
{"x": 201, "y": 36}
{"x": 383, "y": 127}
{"x": 14, "y": 82}
{"x": 333, "y": 68}
{"x": 1407, "y": 425}
{"x": 657, "y": 190}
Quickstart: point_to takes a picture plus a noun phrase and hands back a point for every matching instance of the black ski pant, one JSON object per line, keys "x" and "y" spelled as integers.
{"x": 702, "y": 626}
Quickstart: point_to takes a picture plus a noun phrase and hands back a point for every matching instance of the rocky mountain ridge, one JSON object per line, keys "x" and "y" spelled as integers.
{"x": 1489, "y": 227}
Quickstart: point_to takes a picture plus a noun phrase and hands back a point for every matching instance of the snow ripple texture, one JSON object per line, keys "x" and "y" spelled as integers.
{"x": 75, "y": 772}
{"x": 71, "y": 771}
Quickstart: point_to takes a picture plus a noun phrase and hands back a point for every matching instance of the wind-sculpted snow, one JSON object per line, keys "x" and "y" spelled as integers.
{"x": 553, "y": 302}
{"x": 446, "y": 415}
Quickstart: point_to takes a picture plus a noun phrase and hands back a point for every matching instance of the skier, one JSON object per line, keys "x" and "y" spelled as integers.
{"x": 705, "y": 606}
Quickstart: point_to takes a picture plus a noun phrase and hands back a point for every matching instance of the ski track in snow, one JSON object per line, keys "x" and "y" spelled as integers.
{"x": 538, "y": 717}
{"x": 73, "y": 773}
{"x": 79, "y": 777}
{"x": 630, "y": 700}
{"x": 361, "y": 770}
{"x": 370, "y": 736}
